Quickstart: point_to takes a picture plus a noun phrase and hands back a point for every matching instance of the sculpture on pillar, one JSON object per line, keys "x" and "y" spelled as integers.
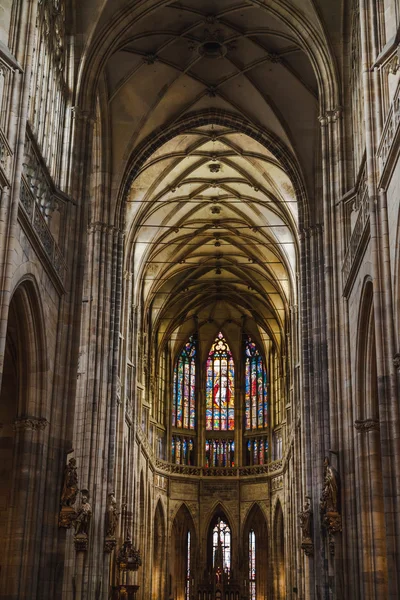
{"x": 82, "y": 523}
{"x": 68, "y": 495}
{"x": 112, "y": 515}
{"x": 305, "y": 518}
{"x": 329, "y": 503}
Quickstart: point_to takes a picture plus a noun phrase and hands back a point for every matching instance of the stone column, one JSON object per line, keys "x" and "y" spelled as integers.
{"x": 383, "y": 309}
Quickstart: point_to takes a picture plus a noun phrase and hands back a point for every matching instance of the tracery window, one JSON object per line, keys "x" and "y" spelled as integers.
{"x": 256, "y": 397}
{"x": 220, "y": 453}
{"x": 182, "y": 450}
{"x": 184, "y": 400}
{"x": 257, "y": 450}
{"x": 222, "y": 544}
{"x": 252, "y": 565}
{"x": 49, "y": 89}
{"x": 220, "y": 387}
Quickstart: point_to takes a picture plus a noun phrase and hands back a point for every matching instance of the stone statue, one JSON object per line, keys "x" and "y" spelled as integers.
{"x": 70, "y": 487}
{"x": 330, "y": 491}
{"x": 83, "y": 517}
{"x": 112, "y": 515}
{"x": 305, "y": 519}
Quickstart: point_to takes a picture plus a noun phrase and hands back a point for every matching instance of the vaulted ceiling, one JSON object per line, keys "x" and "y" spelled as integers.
{"x": 213, "y": 213}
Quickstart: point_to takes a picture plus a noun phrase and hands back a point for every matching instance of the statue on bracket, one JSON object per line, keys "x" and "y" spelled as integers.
{"x": 305, "y": 518}
{"x": 112, "y": 516}
{"x": 329, "y": 503}
{"x": 68, "y": 495}
{"x": 82, "y": 523}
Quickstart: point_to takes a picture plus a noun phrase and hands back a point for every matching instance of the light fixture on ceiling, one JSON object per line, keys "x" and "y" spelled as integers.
{"x": 214, "y": 167}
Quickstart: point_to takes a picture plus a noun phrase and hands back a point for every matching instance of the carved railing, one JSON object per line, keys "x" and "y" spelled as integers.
{"x": 39, "y": 225}
{"x": 359, "y": 203}
{"x": 250, "y": 471}
{"x": 389, "y": 131}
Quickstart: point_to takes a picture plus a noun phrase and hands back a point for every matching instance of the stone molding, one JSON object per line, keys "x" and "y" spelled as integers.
{"x": 30, "y": 424}
{"x": 331, "y": 116}
{"x": 366, "y": 425}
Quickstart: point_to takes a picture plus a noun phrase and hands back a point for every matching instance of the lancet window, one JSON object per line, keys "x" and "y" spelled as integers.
{"x": 220, "y": 387}
{"x": 252, "y": 565}
{"x": 182, "y": 450}
{"x": 188, "y": 569}
{"x": 256, "y": 397}
{"x": 49, "y": 88}
{"x": 222, "y": 545}
{"x": 220, "y": 453}
{"x": 184, "y": 400}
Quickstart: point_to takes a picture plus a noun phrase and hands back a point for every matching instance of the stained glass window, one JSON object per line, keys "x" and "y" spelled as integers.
{"x": 188, "y": 568}
{"x": 220, "y": 387}
{"x": 184, "y": 401}
{"x": 257, "y": 451}
{"x": 182, "y": 450}
{"x": 222, "y": 545}
{"x": 220, "y": 453}
{"x": 256, "y": 398}
{"x": 252, "y": 565}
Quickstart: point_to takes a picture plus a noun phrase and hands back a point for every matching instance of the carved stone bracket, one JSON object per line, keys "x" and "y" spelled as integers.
{"x": 396, "y": 361}
{"x": 308, "y": 546}
{"x": 366, "y": 425}
{"x": 30, "y": 424}
{"x": 66, "y": 517}
{"x": 81, "y": 542}
{"x": 109, "y": 544}
{"x": 333, "y": 523}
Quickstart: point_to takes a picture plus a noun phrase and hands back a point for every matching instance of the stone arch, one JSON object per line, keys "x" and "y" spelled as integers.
{"x": 23, "y": 412}
{"x": 104, "y": 41}
{"x": 182, "y": 526}
{"x": 159, "y": 545}
{"x": 216, "y": 117}
{"x": 219, "y": 511}
{"x": 369, "y": 454}
{"x": 279, "y": 553}
{"x": 256, "y": 521}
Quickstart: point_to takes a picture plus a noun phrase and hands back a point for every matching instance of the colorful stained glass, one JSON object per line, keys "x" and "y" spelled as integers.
{"x": 252, "y": 565}
{"x": 184, "y": 398}
{"x": 220, "y": 453}
{"x": 256, "y": 394}
{"x": 220, "y": 387}
{"x": 182, "y": 450}
{"x": 257, "y": 451}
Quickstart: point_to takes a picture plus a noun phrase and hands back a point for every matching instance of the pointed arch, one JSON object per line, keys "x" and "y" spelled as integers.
{"x": 255, "y": 545}
{"x": 368, "y": 461}
{"x": 220, "y": 386}
{"x": 220, "y": 513}
{"x": 159, "y": 544}
{"x": 183, "y": 549}
{"x": 23, "y": 400}
{"x": 279, "y": 553}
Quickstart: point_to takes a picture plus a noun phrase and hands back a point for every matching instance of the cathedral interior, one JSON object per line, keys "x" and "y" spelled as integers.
{"x": 200, "y": 299}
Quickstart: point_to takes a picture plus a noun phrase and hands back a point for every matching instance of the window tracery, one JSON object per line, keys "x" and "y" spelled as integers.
{"x": 222, "y": 545}
{"x": 184, "y": 401}
{"x": 48, "y": 84}
{"x": 255, "y": 388}
{"x": 220, "y": 387}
